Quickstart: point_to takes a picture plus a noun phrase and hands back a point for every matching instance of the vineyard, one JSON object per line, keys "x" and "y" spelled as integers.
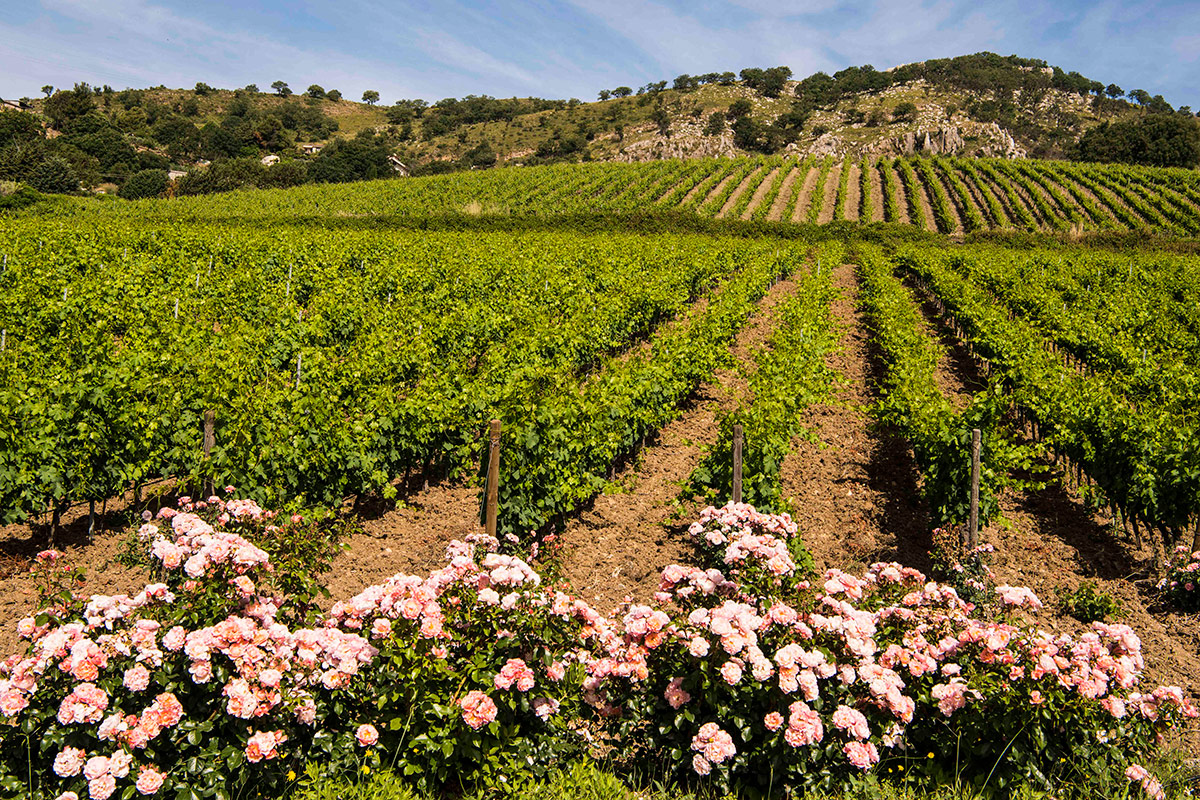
{"x": 940, "y": 194}
{"x": 338, "y": 352}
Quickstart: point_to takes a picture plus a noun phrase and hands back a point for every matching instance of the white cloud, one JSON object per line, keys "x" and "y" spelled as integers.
{"x": 675, "y": 41}
{"x": 139, "y": 43}
{"x": 913, "y": 30}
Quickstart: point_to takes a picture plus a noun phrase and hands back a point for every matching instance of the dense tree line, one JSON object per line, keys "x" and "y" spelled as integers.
{"x": 98, "y": 135}
{"x": 1157, "y": 140}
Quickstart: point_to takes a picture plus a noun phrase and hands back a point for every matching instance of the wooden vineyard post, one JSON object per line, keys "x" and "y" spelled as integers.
{"x": 210, "y": 441}
{"x": 973, "y": 530}
{"x": 493, "y": 477}
{"x": 737, "y": 463}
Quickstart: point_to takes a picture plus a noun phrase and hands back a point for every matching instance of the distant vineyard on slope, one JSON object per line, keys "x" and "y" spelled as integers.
{"x": 947, "y": 195}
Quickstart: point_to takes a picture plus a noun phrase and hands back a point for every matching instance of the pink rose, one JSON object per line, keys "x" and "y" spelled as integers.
{"x": 366, "y": 735}
{"x": 150, "y": 780}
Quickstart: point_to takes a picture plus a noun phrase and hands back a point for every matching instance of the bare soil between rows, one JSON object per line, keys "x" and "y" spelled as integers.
{"x": 1047, "y": 538}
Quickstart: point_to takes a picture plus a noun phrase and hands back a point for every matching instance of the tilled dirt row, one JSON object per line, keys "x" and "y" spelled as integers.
{"x": 854, "y": 488}
{"x": 1047, "y": 539}
{"x": 617, "y": 548}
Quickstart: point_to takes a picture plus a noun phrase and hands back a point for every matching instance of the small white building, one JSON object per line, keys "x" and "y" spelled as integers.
{"x": 175, "y": 174}
{"x": 399, "y": 166}
{"x": 270, "y": 160}
{"x": 310, "y": 149}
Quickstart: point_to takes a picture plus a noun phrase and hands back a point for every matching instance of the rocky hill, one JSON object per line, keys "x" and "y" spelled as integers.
{"x": 978, "y": 105}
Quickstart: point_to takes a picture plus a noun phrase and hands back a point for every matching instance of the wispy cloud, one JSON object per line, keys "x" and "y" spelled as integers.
{"x": 674, "y": 40}
{"x": 457, "y": 54}
{"x": 418, "y": 48}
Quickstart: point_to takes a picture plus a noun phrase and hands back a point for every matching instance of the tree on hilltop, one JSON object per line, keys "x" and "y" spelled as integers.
{"x": 47, "y": 90}
{"x": 334, "y": 95}
{"x": 370, "y": 97}
{"x": 316, "y": 92}
{"x": 1114, "y": 91}
{"x": 604, "y": 94}
{"x": 68, "y": 105}
{"x": 281, "y": 88}
{"x": 622, "y": 91}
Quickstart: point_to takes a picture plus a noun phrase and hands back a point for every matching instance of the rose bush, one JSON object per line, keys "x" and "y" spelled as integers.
{"x": 196, "y": 684}
{"x": 810, "y": 685}
{"x": 1182, "y": 580}
{"x": 742, "y": 671}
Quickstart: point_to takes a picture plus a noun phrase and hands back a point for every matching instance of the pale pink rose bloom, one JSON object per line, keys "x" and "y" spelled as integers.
{"x": 69, "y": 762}
{"x": 136, "y": 678}
{"x": 119, "y": 763}
{"x": 366, "y": 735}
{"x": 773, "y": 720}
{"x": 477, "y": 709}
{"x": 861, "y": 754}
{"x": 675, "y": 694}
{"x": 95, "y": 767}
{"x": 545, "y": 707}
{"x": 102, "y": 787}
{"x": 852, "y": 721}
{"x": 150, "y": 780}
{"x": 12, "y": 702}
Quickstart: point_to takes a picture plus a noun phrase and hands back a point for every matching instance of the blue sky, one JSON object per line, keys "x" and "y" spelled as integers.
{"x": 449, "y": 48}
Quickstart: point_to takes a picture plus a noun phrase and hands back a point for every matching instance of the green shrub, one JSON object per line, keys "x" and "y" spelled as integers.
{"x": 1088, "y": 603}
{"x": 20, "y": 197}
{"x": 147, "y": 183}
{"x": 54, "y": 176}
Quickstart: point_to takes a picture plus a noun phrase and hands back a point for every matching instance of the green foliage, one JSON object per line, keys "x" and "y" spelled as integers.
{"x": 912, "y": 403}
{"x": 21, "y": 197}
{"x": 1088, "y": 603}
{"x": 364, "y": 157}
{"x": 18, "y": 128}
{"x": 788, "y": 374}
{"x": 481, "y": 156}
{"x": 54, "y": 176}
{"x": 968, "y": 572}
{"x": 817, "y": 198}
{"x": 67, "y": 105}
{"x": 147, "y": 183}
{"x": 1128, "y": 424}
{"x": 1159, "y": 140}
{"x": 905, "y": 112}
{"x": 767, "y": 82}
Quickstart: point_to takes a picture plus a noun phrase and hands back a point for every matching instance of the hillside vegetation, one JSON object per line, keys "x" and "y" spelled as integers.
{"x": 978, "y": 105}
